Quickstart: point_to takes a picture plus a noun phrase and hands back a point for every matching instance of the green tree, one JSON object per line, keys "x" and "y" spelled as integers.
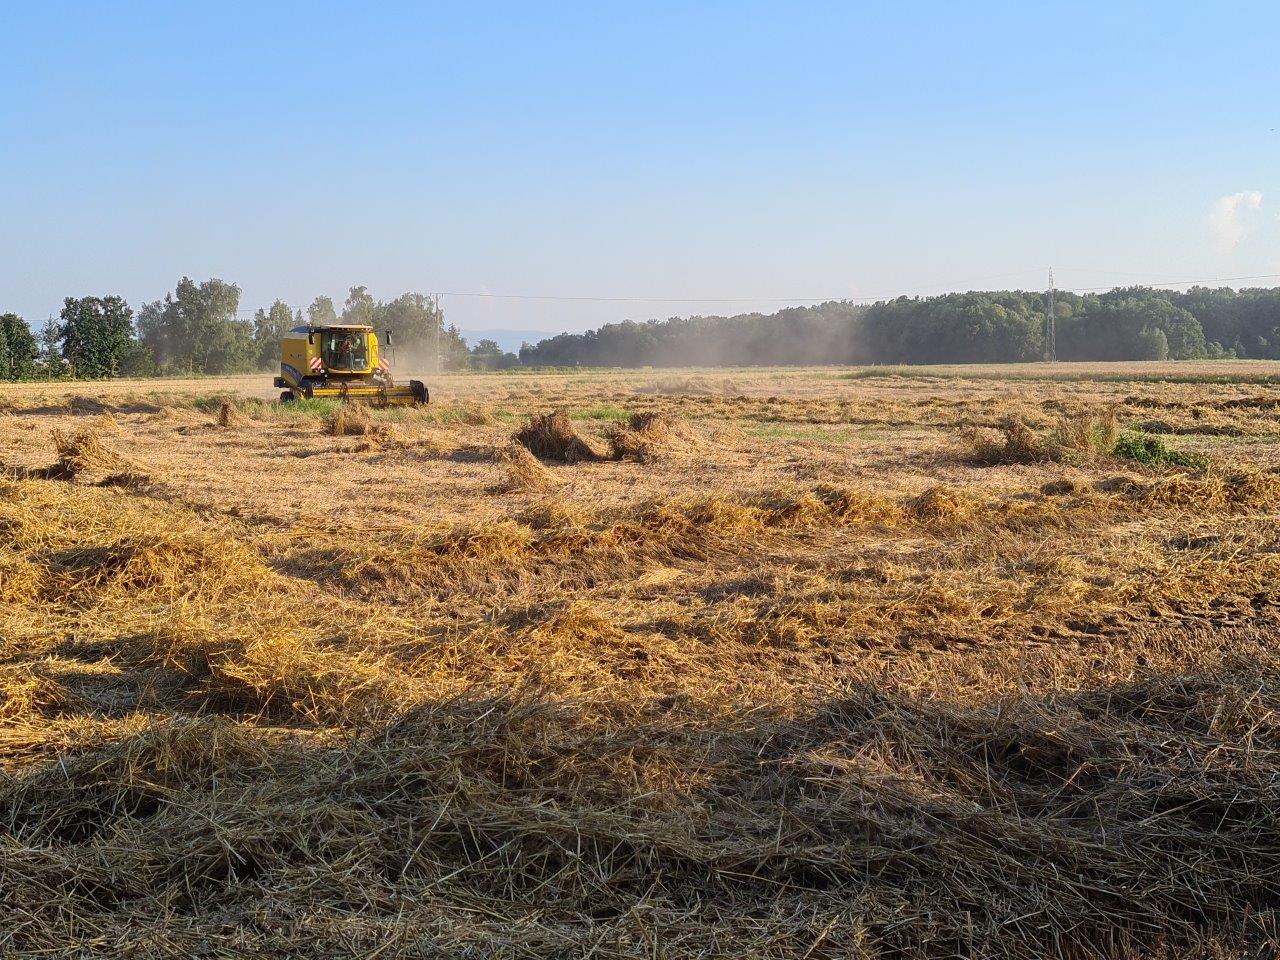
{"x": 486, "y": 348}
{"x": 415, "y": 323}
{"x": 360, "y": 306}
{"x": 411, "y": 318}
{"x": 454, "y": 354}
{"x": 824, "y": 333}
{"x": 1245, "y": 323}
{"x": 1131, "y": 324}
{"x": 487, "y": 355}
{"x": 973, "y": 327}
{"x": 956, "y": 327}
{"x": 321, "y": 313}
{"x": 195, "y": 329}
{"x": 1150, "y": 343}
{"x": 96, "y": 333}
{"x": 157, "y": 332}
{"x": 269, "y": 327}
{"x": 51, "y": 362}
{"x": 138, "y": 360}
{"x": 18, "y": 348}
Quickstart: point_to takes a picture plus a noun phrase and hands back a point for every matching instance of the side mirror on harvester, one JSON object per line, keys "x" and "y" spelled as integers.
{"x": 387, "y": 334}
{"x": 311, "y": 339}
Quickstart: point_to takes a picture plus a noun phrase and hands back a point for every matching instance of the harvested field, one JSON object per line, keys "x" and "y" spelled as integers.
{"x": 770, "y": 663}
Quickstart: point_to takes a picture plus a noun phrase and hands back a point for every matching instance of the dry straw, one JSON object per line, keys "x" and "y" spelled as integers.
{"x": 773, "y": 719}
{"x": 652, "y": 436}
{"x": 350, "y": 420}
{"x": 524, "y": 472}
{"x": 1078, "y": 437}
{"x": 83, "y": 455}
{"x": 230, "y": 416}
{"x": 552, "y": 437}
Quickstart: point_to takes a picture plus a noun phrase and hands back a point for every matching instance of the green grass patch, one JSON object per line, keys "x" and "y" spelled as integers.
{"x": 1151, "y": 450}
{"x": 279, "y": 410}
{"x": 812, "y": 432}
{"x": 605, "y": 411}
{"x": 302, "y": 407}
{"x": 209, "y": 403}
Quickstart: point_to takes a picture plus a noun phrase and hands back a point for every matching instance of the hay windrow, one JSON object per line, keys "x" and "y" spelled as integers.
{"x": 350, "y": 420}
{"x": 87, "y": 406}
{"x": 357, "y": 419}
{"x": 85, "y": 453}
{"x": 94, "y": 548}
{"x": 652, "y": 436}
{"x": 230, "y": 416}
{"x": 284, "y": 672}
{"x": 1015, "y": 442}
{"x": 551, "y": 436}
{"x": 1212, "y": 491}
{"x": 944, "y": 505}
{"x": 175, "y": 566}
{"x": 523, "y": 471}
{"x": 20, "y": 579}
{"x": 1080, "y": 436}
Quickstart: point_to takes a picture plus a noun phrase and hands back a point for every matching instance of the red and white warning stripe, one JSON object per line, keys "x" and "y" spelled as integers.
{"x": 316, "y": 364}
{"x": 382, "y": 363}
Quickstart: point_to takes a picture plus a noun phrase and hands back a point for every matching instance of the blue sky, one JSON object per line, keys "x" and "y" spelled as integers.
{"x": 742, "y": 150}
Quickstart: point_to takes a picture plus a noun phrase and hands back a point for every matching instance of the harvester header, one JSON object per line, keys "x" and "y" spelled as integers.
{"x": 342, "y": 361}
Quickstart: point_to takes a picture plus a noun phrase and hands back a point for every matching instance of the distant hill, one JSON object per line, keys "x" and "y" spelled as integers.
{"x": 507, "y": 339}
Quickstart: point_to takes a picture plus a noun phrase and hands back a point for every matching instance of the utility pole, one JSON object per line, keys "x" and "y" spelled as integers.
{"x": 435, "y": 327}
{"x": 1050, "y": 326}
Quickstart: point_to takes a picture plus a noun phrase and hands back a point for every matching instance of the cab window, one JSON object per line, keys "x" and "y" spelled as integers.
{"x": 345, "y": 350}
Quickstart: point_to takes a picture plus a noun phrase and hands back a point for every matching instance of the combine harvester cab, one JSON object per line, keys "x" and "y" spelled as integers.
{"x": 343, "y": 362}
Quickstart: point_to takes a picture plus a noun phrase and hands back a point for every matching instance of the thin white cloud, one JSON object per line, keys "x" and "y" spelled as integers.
{"x": 1229, "y": 221}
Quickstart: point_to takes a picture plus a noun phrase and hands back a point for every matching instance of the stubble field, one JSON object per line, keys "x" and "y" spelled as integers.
{"x": 783, "y": 663}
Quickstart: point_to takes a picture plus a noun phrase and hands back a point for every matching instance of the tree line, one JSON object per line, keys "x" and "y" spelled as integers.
{"x": 198, "y": 329}
{"x": 1127, "y": 323}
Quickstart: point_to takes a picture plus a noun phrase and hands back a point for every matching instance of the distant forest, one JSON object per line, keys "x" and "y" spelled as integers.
{"x": 1132, "y": 323}
{"x": 200, "y": 329}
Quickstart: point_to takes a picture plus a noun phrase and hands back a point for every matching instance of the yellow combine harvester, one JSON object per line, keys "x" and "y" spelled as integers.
{"x": 341, "y": 361}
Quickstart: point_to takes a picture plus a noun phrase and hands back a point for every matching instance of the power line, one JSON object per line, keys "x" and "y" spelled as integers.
{"x": 634, "y": 299}
{"x": 1178, "y": 283}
